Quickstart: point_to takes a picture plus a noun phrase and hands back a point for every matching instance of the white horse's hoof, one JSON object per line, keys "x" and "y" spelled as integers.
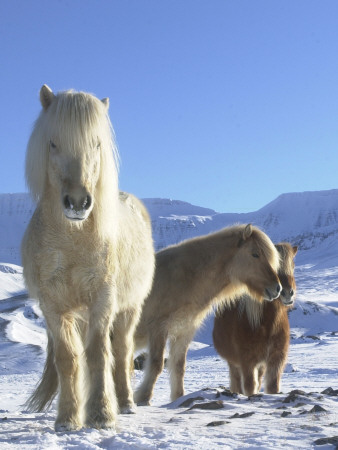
{"x": 62, "y": 427}
{"x": 129, "y": 409}
{"x": 144, "y": 403}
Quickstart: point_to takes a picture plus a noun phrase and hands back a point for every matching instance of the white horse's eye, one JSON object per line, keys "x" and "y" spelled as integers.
{"x": 52, "y": 145}
{"x": 255, "y": 255}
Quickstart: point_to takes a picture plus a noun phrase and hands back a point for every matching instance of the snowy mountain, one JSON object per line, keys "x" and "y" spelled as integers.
{"x": 307, "y": 219}
{"x": 304, "y": 415}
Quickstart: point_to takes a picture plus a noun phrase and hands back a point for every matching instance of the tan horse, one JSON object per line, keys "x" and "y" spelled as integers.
{"x": 88, "y": 258}
{"x": 190, "y": 278}
{"x": 254, "y": 337}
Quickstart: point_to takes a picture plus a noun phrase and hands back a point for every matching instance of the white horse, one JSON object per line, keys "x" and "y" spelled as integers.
{"x": 88, "y": 258}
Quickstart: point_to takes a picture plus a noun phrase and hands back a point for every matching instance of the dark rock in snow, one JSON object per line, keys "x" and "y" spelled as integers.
{"x": 189, "y": 401}
{"x": 228, "y": 393}
{"x": 330, "y": 391}
{"x": 294, "y": 395}
{"x": 242, "y": 416}
{"x": 328, "y": 440}
{"x": 139, "y": 361}
{"x": 216, "y": 404}
{"x": 216, "y": 423}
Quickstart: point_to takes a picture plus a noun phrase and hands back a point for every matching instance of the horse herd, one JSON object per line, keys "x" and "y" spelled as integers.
{"x": 88, "y": 258}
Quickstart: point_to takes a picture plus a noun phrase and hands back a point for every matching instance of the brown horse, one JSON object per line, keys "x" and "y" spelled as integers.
{"x": 190, "y": 278}
{"x": 254, "y": 337}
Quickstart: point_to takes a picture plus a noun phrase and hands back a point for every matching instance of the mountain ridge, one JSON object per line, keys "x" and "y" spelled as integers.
{"x": 307, "y": 219}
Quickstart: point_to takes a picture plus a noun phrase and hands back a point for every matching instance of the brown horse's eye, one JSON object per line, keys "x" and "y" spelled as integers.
{"x": 255, "y": 255}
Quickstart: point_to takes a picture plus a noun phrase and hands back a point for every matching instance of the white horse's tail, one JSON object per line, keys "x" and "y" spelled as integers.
{"x": 46, "y": 390}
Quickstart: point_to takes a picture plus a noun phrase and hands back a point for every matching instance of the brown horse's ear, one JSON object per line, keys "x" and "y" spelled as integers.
{"x": 295, "y": 249}
{"x": 105, "y": 101}
{"x": 46, "y": 96}
{"x": 247, "y": 232}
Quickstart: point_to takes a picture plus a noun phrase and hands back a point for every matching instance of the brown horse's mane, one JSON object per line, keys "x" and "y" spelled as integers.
{"x": 254, "y": 309}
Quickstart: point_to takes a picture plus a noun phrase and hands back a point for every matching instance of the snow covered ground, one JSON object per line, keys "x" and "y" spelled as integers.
{"x": 304, "y": 415}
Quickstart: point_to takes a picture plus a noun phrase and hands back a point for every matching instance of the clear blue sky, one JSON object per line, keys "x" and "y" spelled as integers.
{"x": 221, "y": 103}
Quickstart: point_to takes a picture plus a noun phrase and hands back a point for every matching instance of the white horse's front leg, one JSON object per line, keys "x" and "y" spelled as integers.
{"x": 101, "y": 408}
{"x": 68, "y": 350}
{"x": 123, "y": 349}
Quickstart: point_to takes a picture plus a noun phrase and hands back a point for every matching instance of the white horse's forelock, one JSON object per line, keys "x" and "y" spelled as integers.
{"x": 75, "y": 120}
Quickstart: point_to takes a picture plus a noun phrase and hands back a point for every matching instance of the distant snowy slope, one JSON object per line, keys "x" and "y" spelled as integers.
{"x": 15, "y": 213}
{"x": 308, "y": 219}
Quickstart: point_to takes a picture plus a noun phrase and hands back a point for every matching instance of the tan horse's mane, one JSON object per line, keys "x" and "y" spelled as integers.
{"x": 236, "y": 232}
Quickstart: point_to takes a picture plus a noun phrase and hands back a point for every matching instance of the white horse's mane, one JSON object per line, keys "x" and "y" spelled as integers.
{"x": 74, "y": 120}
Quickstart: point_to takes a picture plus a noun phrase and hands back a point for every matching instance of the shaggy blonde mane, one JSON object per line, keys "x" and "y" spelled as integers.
{"x": 75, "y": 120}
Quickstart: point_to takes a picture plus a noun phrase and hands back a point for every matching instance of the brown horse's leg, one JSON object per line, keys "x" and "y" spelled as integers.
{"x": 261, "y": 372}
{"x": 250, "y": 380}
{"x": 123, "y": 348}
{"x": 177, "y": 359}
{"x": 277, "y": 356}
{"x": 154, "y": 366}
{"x": 101, "y": 408}
{"x": 275, "y": 367}
{"x": 235, "y": 379}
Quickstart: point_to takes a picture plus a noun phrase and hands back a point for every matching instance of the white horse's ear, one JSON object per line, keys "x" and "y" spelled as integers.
{"x": 105, "y": 101}
{"x": 295, "y": 250}
{"x": 46, "y": 96}
{"x": 247, "y": 232}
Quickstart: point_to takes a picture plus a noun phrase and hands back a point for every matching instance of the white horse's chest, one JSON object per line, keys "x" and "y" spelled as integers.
{"x": 73, "y": 278}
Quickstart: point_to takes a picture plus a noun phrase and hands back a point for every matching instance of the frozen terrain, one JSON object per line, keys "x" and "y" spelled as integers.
{"x": 304, "y": 415}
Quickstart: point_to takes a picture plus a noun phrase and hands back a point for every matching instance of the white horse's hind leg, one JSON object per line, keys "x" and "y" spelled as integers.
{"x": 123, "y": 349}
{"x": 101, "y": 408}
{"x": 176, "y": 363}
{"x": 68, "y": 349}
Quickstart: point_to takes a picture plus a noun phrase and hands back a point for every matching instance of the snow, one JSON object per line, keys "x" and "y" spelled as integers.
{"x": 287, "y": 420}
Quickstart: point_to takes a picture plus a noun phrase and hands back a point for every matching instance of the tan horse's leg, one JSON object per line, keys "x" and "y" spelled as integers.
{"x": 68, "y": 350}
{"x": 235, "y": 379}
{"x": 177, "y": 358}
{"x": 101, "y": 408}
{"x": 123, "y": 348}
{"x": 154, "y": 366}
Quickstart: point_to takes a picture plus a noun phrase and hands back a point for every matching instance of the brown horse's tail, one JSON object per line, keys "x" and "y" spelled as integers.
{"x": 46, "y": 390}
